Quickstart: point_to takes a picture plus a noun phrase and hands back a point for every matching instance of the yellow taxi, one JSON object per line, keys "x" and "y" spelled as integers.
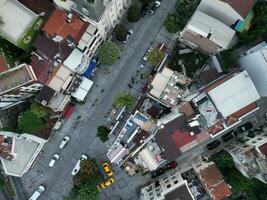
{"x": 106, "y": 183}
{"x": 107, "y": 169}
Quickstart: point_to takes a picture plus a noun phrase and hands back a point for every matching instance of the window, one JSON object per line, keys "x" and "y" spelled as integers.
{"x": 175, "y": 182}
{"x": 158, "y": 195}
{"x": 157, "y": 190}
{"x": 259, "y": 138}
{"x": 168, "y": 186}
{"x": 167, "y": 181}
{"x": 150, "y": 193}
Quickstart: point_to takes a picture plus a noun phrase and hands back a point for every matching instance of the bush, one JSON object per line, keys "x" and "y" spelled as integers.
{"x": 102, "y": 133}
{"x": 121, "y": 32}
{"x": 155, "y": 57}
{"x": 89, "y": 190}
{"x": 108, "y": 53}
{"x": 186, "y": 8}
{"x": 29, "y": 122}
{"x": 39, "y": 111}
{"x": 134, "y": 13}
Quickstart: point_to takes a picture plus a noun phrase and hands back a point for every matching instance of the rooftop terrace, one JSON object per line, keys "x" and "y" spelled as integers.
{"x": 16, "y": 77}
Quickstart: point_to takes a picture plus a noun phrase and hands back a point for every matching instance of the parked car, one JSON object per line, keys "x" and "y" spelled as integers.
{"x": 146, "y": 54}
{"x": 40, "y": 189}
{"x": 213, "y": 144}
{"x": 129, "y": 33}
{"x": 171, "y": 165}
{"x": 228, "y": 136}
{"x": 107, "y": 169}
{"x": 53, "y": 160}
{"x": 154, "y": 7}
{"x": 64, "y": 142}
{"x": 157, "y": 173}
{"x": 245, "y": 127}
{"x": 106, "y": 183}
{"x": 77, "y": 166}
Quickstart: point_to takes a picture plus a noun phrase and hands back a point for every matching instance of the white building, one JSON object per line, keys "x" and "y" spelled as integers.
{"x": 254, "y": 61}
{"x": 19, "y": 152}
{"x": 103, "y": 14}
{"x": 171, "y": 187}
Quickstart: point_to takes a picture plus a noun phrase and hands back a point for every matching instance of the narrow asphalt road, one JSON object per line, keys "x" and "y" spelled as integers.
{"x": 58, "y": 180}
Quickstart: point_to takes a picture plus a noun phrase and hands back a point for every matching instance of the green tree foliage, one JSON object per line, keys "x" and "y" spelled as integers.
{"x": 89, "y": 190}
{"x": 134, "y": 13}
{"x": 185, "y": 8}
{"x": 29, "y": 122}
{"x": 121, "y": 32}
{"x": 155, "y": 57}
{"x": 102, "y": 133}
{"x": 108, "y": 53}
{"x": 124, "y": 99}
{"x": 87, "y": 171}
{"x": 39, "y": 111}
{"x": 173, "y": 23}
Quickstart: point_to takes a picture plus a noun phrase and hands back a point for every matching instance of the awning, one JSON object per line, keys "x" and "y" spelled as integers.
{"x": 83, "y": 89}
{"x": 67, "y": 112}
{"x": 90, "y": 68}
{"x": 116, "y": 155}
{"x": 149, "y": 160}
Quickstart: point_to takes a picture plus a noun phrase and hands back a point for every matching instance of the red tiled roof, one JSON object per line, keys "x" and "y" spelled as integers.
{"x": 3, "y": 64}
{"x": 216, "y": 128}
{"x": 241, "y": 6}
{"x": 219, "y": 82}
{"x": 211, "y": 175}
{"x": 187, "y": 109}
{"x": 221, "y": 191}
{"x": 245, "y": 110}
{"x": 57, "y": 25}
{"x": 263, "y": 149}
{"x": 182, "y": 138}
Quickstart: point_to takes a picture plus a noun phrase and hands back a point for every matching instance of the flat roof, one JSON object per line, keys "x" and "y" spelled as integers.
{"x": 16, "y": 18}
{"x": 83, "y": 89}
{"x": 234, "y": 94}
{"x": 180, "y": 193}
{"x": 15, "y": 77}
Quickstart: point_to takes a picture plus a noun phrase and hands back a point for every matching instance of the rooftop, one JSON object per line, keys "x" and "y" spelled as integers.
{"x": 165, "y": 86}
{"x": 241, "y": 6}
{"x": 52, "y": 49}
{"x": 15, "y": 77}
{"x": 62, "y": 24}
{"x": 15, "y": 26}
{"x": 263, "y": 149}
{"x": 234, "y": 94}
{"x": 40, "y": 7}
{"x": 45, "y": 95}
{"x": 180, "y": 193}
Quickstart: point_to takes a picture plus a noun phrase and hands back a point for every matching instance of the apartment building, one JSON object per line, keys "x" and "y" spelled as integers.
{"x": 103, "y": 14}
{"x": 17, "y": 84}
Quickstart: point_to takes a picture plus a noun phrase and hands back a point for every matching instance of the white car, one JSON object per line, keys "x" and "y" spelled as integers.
{"x": 53, "y": 160}
{"x": 63, "y": 143}
{"x": 129, "y": 33}
{"x": 37, "y": 193}
{"x": 146, "y": 54}
{"x": 77, "y": 166}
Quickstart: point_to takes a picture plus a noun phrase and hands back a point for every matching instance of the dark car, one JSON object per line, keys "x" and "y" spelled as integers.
{"x": 245, "y": 127}
{"x": 213, "y": 144}
{"x": 157, "y": 173}
{"x": 251, "y": 134}
{"x": 228, "y": 136}
{"x": 171, "y": 165}
{"x": 154, "y": 7}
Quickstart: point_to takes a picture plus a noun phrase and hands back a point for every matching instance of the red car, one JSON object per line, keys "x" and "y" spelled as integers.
{"x": 171, "y": 165}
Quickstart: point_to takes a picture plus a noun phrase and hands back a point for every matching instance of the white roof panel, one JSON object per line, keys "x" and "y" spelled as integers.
{"x": 255, "y": 64}
{"x": 234, "y": 94}
{"x": 74, "y": 60}
{"x": 83, "y": 89}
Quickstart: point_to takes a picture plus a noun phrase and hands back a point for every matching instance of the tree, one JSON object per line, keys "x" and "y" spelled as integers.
{"x": 173, "y": 23}
{"x": 124, "y": 99}
{"x": 186, "y": 8}
{"x": 102, "y": 133}
{"x": 108, "y": 53}
{"x": 134, "y": 13}
{"x": 155, "y": 57}
{"x": 89, "y": 190}
{"x": 39, "y": 111}
{"x": 30, "y": 123}
{"x": 121, "y": 32}
{"x": 87, "y": 171}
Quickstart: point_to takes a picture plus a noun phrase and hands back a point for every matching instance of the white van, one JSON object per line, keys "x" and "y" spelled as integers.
{"x": 37, "y": 193}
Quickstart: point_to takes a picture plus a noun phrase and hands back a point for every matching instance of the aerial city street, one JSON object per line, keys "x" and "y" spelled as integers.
{"x": 133, "y": 99}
